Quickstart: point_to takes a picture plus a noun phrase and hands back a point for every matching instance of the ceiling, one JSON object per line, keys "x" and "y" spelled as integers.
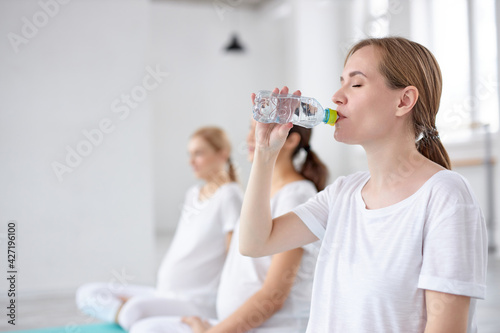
{"x": 222, "y": 3}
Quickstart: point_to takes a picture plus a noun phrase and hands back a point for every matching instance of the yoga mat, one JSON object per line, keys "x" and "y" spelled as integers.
{"x": 91, "y": 328}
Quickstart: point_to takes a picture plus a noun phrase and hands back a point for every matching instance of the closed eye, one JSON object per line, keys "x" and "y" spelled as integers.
{"x": 356, "y": 86}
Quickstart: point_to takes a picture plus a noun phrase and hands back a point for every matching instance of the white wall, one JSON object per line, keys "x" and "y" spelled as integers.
{"x": 94, "y": 222}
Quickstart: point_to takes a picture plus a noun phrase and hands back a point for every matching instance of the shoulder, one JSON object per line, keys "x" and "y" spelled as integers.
{"x": 297, "y": 192}
{"x": 448, "y": 195}
{"x": 291, "y": 195}
{"x": 193, "y": 190}
{"x": 230, "y": 190}
{"x": 231, "y": 187}
{"x": 351, "y": 181}
{"x": 300, "y": 186}
{"x": 452, "y": 186}
{"x": 343, "y": 186}
{"x": 356, "y": 178}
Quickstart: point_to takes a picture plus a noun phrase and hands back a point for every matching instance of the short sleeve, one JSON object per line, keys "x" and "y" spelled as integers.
{"x": 231, "y": 202}
{"x": 455, "y": 246}
{"x": 314, "y": 213}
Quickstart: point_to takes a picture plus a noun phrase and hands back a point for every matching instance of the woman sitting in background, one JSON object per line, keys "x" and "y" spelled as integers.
{"x": 189, "y": 275}
{"x": 271, "y": 294}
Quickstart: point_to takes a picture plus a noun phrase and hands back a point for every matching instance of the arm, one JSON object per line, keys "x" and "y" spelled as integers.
{"x": 446, "y": 313}
{"x": 260, "y": 235}
{"x": 264, "y": 303}
{"x": 229, "y": 236}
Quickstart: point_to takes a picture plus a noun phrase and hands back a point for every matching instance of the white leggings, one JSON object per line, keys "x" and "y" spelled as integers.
{"x": 101, "y": 301}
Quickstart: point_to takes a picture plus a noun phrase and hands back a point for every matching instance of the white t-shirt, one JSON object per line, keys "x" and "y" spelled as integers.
{"x": 243, "y": 276}
{"x": 192, "y": 266}
{"x": 374, "y": 265}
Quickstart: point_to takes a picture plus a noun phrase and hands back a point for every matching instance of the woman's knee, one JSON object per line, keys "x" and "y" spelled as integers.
{"x": 132, "y": 311}
{"x": 87, "y": 292}
{"x": 96, "y": 300}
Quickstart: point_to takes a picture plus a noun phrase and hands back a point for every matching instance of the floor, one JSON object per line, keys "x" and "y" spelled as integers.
{"x": 61, "y": 311}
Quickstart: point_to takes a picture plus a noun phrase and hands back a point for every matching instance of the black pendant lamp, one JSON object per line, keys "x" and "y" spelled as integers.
{"x": 234, "y": 45}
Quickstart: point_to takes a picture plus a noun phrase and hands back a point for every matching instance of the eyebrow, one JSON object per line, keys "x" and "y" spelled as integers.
{"x": 353, "y": 73}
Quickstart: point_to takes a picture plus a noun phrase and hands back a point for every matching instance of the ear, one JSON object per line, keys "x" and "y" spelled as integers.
{"x": 224, "y": 154}
{"x": 408, "y": 99}
{"x": 292, "y": 141}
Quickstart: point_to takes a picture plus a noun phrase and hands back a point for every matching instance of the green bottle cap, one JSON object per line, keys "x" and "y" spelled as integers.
{"x": 330, "y": 117}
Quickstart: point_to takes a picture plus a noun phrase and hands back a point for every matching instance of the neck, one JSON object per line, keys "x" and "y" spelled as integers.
{"x": 284, "y": 173}
{"x": 392, "y": 161}
{"x": 213, "y": 183}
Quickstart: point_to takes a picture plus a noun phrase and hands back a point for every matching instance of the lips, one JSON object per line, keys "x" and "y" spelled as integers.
{"x": 340, "y": 116}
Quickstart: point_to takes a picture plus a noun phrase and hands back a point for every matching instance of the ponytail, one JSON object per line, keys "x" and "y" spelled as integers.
{"x": 232, "y": 172}
{"x": 314, "y": 170}
{"x": 430, "y": 146}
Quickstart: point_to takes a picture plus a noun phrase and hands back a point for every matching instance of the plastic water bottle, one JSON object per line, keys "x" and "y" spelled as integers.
{"x": 302, "y": 111}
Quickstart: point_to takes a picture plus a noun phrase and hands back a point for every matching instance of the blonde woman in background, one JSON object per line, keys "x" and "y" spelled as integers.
{"x": 189, "y": 275}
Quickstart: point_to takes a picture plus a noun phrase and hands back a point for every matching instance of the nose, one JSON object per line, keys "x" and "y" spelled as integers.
{"x": 339, "y": 97}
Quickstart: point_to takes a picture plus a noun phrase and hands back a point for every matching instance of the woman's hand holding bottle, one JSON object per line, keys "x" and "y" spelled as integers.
{"x": 271, "y": 137}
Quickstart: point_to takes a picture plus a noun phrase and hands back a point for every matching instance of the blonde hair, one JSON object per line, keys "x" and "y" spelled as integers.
{"x": 406, "y": 63}
{"x": 217, "y": 138}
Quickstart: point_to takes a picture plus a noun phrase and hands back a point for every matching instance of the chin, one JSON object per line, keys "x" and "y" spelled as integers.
{"x": 338, "y": 136}
{"x": 344, "y": 138}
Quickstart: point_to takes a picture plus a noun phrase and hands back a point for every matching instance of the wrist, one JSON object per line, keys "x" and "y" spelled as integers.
{"x": 265, "y": 155}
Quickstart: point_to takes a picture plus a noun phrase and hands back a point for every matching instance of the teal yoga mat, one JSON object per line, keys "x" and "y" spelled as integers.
{"x": 91, "y": 328}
